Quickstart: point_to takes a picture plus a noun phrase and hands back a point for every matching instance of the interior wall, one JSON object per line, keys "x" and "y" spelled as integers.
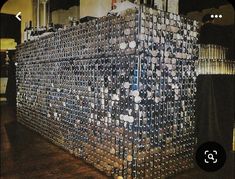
{"x": 99, "y": 8}
{"x": 61, "y": 16}
{"x": 173, "y": 6}
{"x": 23, "y": 6}
{"x": 7, "y": 43}
{"x": 96, "y": 8}
{"x": 227, "y": 12}
{"x": 41, "y": 18}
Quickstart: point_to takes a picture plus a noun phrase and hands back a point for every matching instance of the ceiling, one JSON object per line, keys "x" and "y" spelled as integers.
{"x": 63, "y": 4}
{"x": 186, "y": 6}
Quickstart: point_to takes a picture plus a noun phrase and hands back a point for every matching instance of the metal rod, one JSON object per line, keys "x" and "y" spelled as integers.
{"x": 38, "y": 13}
{"x": 44, "y": 13}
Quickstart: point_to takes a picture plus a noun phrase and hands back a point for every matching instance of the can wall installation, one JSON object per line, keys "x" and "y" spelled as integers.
{"x": 118, "y": 91}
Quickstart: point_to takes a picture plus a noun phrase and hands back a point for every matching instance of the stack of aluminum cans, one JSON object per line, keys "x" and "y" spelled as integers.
{"x": 118, "y": 92}
{"x": 213, "y": 60}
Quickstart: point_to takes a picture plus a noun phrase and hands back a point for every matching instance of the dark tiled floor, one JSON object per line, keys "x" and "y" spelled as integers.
{"x": 25, "y": 154}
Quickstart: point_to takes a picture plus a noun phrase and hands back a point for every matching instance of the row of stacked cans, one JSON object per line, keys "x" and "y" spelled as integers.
{"x": 213, "y": 59}
{"x": 215, "y": 66}
{"x": 118, "y": 91}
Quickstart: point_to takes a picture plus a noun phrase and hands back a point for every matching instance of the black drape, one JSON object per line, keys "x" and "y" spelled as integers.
{"x": 11, "y": 84}
{"x": 215, "y": 116}
{"x": 215, "y": 109}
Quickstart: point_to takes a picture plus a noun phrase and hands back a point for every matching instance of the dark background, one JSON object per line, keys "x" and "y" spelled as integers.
{"x": 10, "y": 27}
{"x": 215, "y": 109}
{"x": 215, "y": 105}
